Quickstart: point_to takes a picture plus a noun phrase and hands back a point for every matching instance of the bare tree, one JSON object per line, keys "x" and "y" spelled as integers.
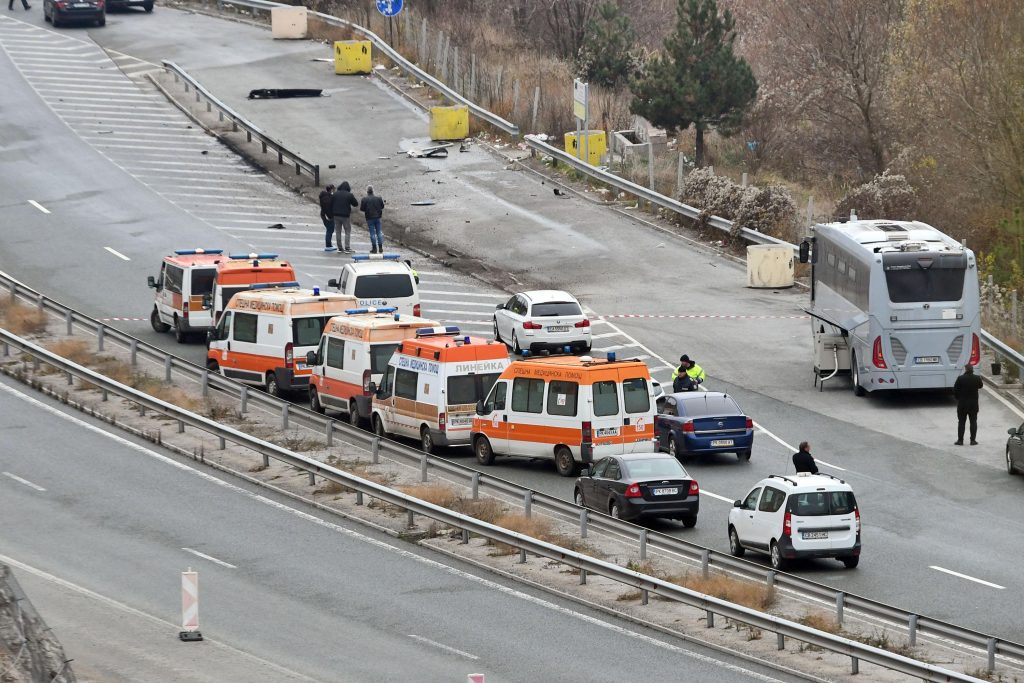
{"x": 567, "y": 22}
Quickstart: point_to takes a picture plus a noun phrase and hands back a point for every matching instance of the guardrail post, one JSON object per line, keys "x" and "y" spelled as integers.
{"x": 710, "y": 619}
{"x": 69, "y": 319}
{"x": 854, "y": 665}
{"x": 780, "y": 641}
{"x": 375, "y": 450}
{"x": 410, "y": 519}
{"x": 840, "y": 601}
{"x": 298, "y": 169}
{"x": 583, "y": 523}
{"x": 359, "y": 497}
{"x": 204, "y": 382}
{"x": 142, "y": 410}
{"x": 316, "y": 174}
{"x": 423, "y": 466}
{"x": 100, "y": 332}
{"x": 522, "y": 556}
{"x": 912, "y": 635}
{"x": 197, "y": 95}
{"x": 135, "y": 352}
{"x": 991, "y": 655}
{"x": 527, "y": 503}
{"x": 245, "y": 399}
{"x": 475, "y": 485}
{"x": 181, "y": 427}
{"x": 280, "y": 159}
{"x": 312, "y": 479}
{"x": 771, "y": 578}
{"x": 220, "y": 116}
{"x": 705, "y": 560}
{"x": 264, "y": 143}
{"x": 266, "y": 460}
{"x": 465, "y": 537}
{"x": 208, "y": 108}
{"x": 644, "y": 598}
{"x": 167, "y": 368}
{"x": 71, "y": 379}
{"x": 284, "y": 416}
{"x": 186, "y": 86}
{"x": 330, "y": 432}
{"x": 39, "y": 302}
{"x": 583, "y": 577}
{"x": 222, "y": 443}
{"x": 103, "y": 393}
{"x": 643, "y": 544}
{"x": 35, "y": 364}
{"x": 7, "y": 349}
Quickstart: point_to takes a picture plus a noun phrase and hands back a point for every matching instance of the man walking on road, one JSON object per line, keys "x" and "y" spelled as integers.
{"x": 24, "y": 3}
{"x": 372, "y": 207}
{"x": 326, "y": 215}
{"x": 341, "y": 207}
{"x": 803, "y": 460}
{"x": 966, "y": 389}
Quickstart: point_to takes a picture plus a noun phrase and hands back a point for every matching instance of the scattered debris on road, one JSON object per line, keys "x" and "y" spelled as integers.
{"x": 436, "y": 151}
{"x": 275, "y": 226}
{"x": 425, "y": 202}
{"x": 281, "y": 93}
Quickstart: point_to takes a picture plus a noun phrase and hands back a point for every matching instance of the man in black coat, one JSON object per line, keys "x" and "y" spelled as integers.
{"x": 803, "y": 460}
{"x": 327, "y": 215}
{"x": 966, "y": 389}
{"x": 341, "y": 206}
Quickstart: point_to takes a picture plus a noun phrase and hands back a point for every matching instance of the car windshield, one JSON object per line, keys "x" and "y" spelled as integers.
{"x": 383, "y": 286}
{"x": 556, "y": 308}
{"x": 380, "y": 354}
{"x": 654, "y": 468}
{"x": 202, "y": 280}
{"x": 822, "y": 503}
{"x": 307, "y": 331}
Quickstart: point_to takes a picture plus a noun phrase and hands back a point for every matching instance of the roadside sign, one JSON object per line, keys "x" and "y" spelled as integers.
{"x": 389, "y": 8}
{"x": 579, "y": 99}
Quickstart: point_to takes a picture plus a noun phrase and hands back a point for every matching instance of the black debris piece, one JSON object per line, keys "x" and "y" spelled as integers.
{"x": 423, "y": 203}
{"x": 279, "y": 93}
{"x": 275, "y": 226}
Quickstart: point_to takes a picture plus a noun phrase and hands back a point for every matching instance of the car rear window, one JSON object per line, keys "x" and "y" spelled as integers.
{"x": 710, "y": 405}
{"x": 554, "y": 308}
{"x": 385, "y": 285}
{"x": 654, "y": 468}
{"x": 822, "y": 503}
{"x": 202, "y": 280}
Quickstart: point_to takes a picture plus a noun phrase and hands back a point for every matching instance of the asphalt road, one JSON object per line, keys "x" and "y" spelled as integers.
{"x": 927, "y": 506}
{"x": 103, "y": 528}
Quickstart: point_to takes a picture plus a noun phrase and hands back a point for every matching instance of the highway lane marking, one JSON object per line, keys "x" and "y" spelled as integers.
{"x": 497, "y": 296}
{"x": 210, "y": 558}
{"x": 118, "y": 254}
{"x": 1001, "y": 399}
{"x": 705, "y": 492}
{"x": 457, "y": 298}
{"x": 110, "y": 602}
{"x": 38, "y": 206}
{"x": 351, "y": 533}
{"x": 442, "y": 646}
{"x": 26, "y": 482}
{"x": 965, "y": 576}
{"x": 709, "y": 316}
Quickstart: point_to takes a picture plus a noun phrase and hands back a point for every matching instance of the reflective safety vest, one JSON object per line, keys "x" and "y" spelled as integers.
{"x": 694, "y": 372}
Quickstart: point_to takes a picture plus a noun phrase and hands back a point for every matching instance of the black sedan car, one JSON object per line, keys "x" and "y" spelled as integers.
{"x": 640, "y": 485}
{"x": 61, "y": 12}
{"x": 1015, "y": 450}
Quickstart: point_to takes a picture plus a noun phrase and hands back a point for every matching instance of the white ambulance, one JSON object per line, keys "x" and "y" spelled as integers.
{"x": 432, "y": 384}
{"x": 183, "y": 292}
{"x": 379, "y": 281}
{"x": 266, "y": 332}
{"x": 353, "y": 352}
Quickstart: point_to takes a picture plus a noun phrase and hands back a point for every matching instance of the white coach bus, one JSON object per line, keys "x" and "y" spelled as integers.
{"x": 899, "y": 298}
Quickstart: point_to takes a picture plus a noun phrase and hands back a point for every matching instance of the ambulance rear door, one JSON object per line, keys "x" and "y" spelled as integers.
{"x": 637, "y": 430}
{"x": 606, "y": 416}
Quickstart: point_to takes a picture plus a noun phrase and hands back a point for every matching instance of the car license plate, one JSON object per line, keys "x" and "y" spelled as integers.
{"x": 721, "y": 442}
{"x": 666, "y": 492}
{"x": 927, "y": 359}
{"x": 558, "y": 328}
{"x": 813, "y": 535}
{"x": 607, "y": 431}
{"x": 83, "y": 5}
{"x": 461, "y": 421}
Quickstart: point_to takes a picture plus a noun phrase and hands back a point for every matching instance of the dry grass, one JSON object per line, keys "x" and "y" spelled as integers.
{"x": 21, "y": 320}
{"x": 74, "y": 350}
{"x": 486, "y": 509}
{"x": 820, "y": 621}
{"x": 746, "y": 593}
{"x": 438, "y": 494}
{"x": 298, "y": 444}
{"x": 883, "y": 641}
{"x": 540, "y": 528}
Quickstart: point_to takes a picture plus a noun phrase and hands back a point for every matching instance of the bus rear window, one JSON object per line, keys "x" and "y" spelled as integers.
{"x": 383, "y": 286}
{"x": 202, "y": 281}
{"x": 913, "y": 284}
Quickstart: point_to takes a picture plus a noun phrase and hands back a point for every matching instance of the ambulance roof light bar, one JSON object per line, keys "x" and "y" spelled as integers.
{"x": 437, "y": 331}
{"x": 246, "y": 257}
{"x": 370, "y": 309}
{"x": 274, "y": 285}
{"x": 376, "y": 257}
{"x": 193, "y": 252}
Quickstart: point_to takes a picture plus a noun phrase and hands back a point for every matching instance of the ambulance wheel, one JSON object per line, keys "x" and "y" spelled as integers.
{"x": 271, "y": 385}
{"x": 497, "y": 335}
{"x": 213, "y": 366}
{"x": 427, "y": 441}
{"x": 353, "y": 416}
{"x": 378, "y": 426}
{"x": 515, "y": 345}
{"x": 180, "y": 335}
{"x": 484, "y": 452}
{"x": 158, "y": 324}
{"x": 314, "y": 402}
{"x": 565, "y": 463}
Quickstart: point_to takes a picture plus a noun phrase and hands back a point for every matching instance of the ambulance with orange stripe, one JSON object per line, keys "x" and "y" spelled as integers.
{"x": 354, "y": 352}
{"x": 237, "y": 272}
{"x": 432, "y": 384}
{"x": 575, "y": 410}
{"x": 265, "y": 333}
{"x": 183, "y": 290}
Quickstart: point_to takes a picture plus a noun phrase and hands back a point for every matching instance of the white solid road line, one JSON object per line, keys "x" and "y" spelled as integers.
{"x": 969, "y": 578}
{"x": 26, "y": 482}
{"x": 210, "y": 558}
{"x": 704, "y": 492}
{"x": 441, "y": 646}
{"x": 382, "y": 545}
{"x": 38, "y": 206}
{"x": 117, "y": 254}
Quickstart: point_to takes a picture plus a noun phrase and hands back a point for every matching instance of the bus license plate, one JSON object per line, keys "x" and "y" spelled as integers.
{"x": 928, "y": 359}
{"x": 721, "y": 442}
{"x": 813, "y": 535}
{"x": 558, "y": 328}
{"x": 666, "y": 492}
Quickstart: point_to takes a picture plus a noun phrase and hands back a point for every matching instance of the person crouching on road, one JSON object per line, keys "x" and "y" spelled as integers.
{"x": 327, "y": 216}
{"x": 688, "y": 376}
{"x": 341, "y": 207}
{"x": 803, "y": 461}
{"x": 372, "y": 207}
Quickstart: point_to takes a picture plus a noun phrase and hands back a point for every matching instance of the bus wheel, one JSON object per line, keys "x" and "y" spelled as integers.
{"x": 858, "y": 390}
{"x": 565, "y": 463}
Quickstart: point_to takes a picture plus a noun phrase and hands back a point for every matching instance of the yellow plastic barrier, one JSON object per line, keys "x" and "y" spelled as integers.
{"x": 449, "y": 123}
{"x": 352, "y": 57}
{"x": 595, "y": 146}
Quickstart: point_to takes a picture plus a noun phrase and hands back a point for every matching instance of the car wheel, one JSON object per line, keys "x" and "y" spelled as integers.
{"x": 483, "y": 451}
{"x": 858, "y": 390}
{"x": 271, "y": 385}
{"x": 614, "y": 510}
{"x": 673, "y": 449}
{"x": 690, "y": 522}
{"x": 180, "y": 335}
{"x": 850, "y": 562}
{"x": 353, "y": 415}
{"x": 497, "y": 334}
{"x": 378, "y": 426}
{"x": 55, "y": 20}
{"x": 578, "y": 498}
{"x": 744, "y": 455}
{"x": 426, "y": 441}
{"x": 1010, "y": 469}
{"x": 156, "y": 323}
{"x": 736, "y": 548}
{"x": 148, "y": 6}
{"x": 314, "y": 402}
{"x": 515, "y": 345}
{"x": 46, "y": 15}
{"x": 213, "y": 366}
{"x": 565, "y": 463}
{"x": 101, "y": 21}
{"x": 778, "y": 562}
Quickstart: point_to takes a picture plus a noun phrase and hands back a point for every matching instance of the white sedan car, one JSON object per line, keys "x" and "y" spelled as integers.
{"x": 543, "y": 319}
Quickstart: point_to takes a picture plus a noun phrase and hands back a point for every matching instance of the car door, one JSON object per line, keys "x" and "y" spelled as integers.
{"x": 1016, "y": 446}
{"x": 588, "y": 484}
{"x": 516, "y": 315}
{"x": 768, "y": 518}
{"x": 610, "y": 485}
{"x": 743, "y": 517}
{"x": 494, "y": 420}
{"x": 663, "y": 422}
{"x": 503, "y": 316}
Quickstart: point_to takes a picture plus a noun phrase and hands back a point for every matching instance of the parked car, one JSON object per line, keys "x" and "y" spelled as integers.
{"x": 797, "y": 516}
{"x": 640, "y": 485}
{"x": 543, "y": 319}
{"x": 1015, "y": 450}
{"x": 656, "y": 389}
{"x": 702, "y": 422}
{"x": 120, "y": 4}
{"x": 59, "y": 12}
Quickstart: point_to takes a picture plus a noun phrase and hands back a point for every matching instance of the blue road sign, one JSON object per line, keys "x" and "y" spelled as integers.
{"x": 389, "y": 8}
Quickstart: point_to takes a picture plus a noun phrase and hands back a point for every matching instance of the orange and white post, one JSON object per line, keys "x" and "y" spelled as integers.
{"x": 190, "y": 606}
{"x": 475, "y": 678}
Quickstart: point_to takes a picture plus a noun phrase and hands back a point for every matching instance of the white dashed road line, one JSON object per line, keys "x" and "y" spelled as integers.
{"x": 965, "y": 576}
{"x": 38, "y": 206}
{"x": 210, "y": 558}
{"x": 441, "y": 646}
{"x": 118, "y": 254}
{"x": 26, "y": 482}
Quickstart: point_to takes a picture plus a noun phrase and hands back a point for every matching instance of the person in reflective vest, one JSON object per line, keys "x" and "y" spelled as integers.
{"x": 688, "y": 376}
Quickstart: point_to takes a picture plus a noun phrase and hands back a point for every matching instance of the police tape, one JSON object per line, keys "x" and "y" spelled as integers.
{"x": 709, "y": 315}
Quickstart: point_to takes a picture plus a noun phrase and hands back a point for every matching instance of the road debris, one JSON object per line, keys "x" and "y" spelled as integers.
{"x": 275, "y": 226}
{"x": 424, "y": 202}
{"x": 436, "y": 151}
{"x": 280, "y": 93}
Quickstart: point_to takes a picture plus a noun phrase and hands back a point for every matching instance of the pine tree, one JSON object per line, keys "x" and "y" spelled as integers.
{"x": 608, "y": 57}
{"x": 697, "y": 80}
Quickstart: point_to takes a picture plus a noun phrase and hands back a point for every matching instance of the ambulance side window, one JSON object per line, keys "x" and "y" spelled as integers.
{"x": 527, "y": 395}
{"x": 335, "y": 353}
{"x": 636, "y": 395}
{"x": 405, "y": 384}
{"x": 606, "y": 398}
{"x": 223, "y": 326}
{"x": 496, "y": 399}
{"x": 562, "y": 397}
{"x": 160, "y": 278}
{"x": 386, "y": 380}
{"x": 245, "y": 327}
{"x": 172, "y": 279}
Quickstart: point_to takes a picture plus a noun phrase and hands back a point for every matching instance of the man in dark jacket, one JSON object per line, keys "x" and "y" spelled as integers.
{"x": 803, "y": 460}
{"x": 326, "y": 215}
{"x": 341, "y": 207}
{"x": 372, "y": 207}
{"x": 965, "y": 389}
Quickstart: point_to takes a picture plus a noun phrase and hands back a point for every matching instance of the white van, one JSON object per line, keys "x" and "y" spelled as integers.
{"x": 183, "y": 292}
{"x": 378, "y": 281}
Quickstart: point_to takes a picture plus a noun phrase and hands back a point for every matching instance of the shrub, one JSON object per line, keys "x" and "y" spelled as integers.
{"x": 886, "y": 196}
{"x": 768, "y": 209}
{"x": 22, "y": 320}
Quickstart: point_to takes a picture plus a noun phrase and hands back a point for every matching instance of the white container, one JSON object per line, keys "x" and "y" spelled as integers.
{"x": 289, "y": 23}
{"x": 769, "y": 266}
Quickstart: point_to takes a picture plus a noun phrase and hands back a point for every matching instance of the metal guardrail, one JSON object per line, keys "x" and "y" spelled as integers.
{"x": 647, "y": 541}
{"x": 239, "y": 121}
{"x": 712, "y": 606}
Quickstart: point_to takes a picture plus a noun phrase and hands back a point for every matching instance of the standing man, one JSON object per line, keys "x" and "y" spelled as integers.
{"x": 24, "y": 3}
{"x": 688, "y": 376}
{"x": 341, "y": 207}
{"x": 803, "y": 461}
{"x": 326, "y": 215}
{"x": 373, "y": 208}
{"x": 965, "y": 389}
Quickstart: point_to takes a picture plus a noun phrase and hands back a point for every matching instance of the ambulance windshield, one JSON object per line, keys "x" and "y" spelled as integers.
{"x": 468, "y": 389}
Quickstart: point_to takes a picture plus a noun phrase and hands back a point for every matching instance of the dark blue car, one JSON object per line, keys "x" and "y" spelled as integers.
{"x": 699, "y": 422}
